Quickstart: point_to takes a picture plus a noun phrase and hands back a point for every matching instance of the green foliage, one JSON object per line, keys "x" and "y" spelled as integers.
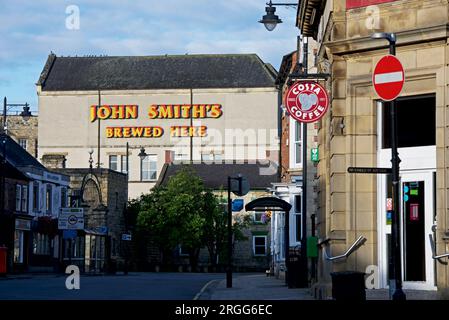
{"x": 185, "y": 213}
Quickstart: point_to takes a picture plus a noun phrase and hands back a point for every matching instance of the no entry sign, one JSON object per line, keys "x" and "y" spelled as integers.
{"x": 307, "y": 101}
{"x": 388, "y": 78}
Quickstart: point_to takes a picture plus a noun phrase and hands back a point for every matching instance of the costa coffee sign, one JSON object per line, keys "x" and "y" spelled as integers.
{"x": 307, "y": 101}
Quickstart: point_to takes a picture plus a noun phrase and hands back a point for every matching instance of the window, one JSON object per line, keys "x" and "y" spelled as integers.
{"x": 23, "y": 143}
{"x": 260, "y": 245}
{"x": 113, "y": 162}
{"x": 298, "y": 218}
{"x": 148, "y": 168}
{"x": 181, "y": 157}
{"x": 258, "y": 216}
{"x": 48, "y": 197}
{"x": 18, "y": 197}
{"x": 183, "y": 251}
{"x": 295, "y": 144}
{"x": 18, "y": 246}
{"x": 124, "y": 163}
{"x": 24, "y": 199}
{"x": 35, "y": 197}
{"x": 41, "y": 244}
{"x": 207, "y": 157}
{"x": 413, "y": 130}
{"x": 63, "y": 198}
{"x": 218, "y": 157}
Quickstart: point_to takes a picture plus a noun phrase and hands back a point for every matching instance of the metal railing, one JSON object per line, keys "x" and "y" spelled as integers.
{"x": 357, "y": 243}
{"x": 434, "y": 251}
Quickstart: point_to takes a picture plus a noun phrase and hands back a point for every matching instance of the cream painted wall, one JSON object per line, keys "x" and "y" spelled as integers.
{"x": 65, "y": 127}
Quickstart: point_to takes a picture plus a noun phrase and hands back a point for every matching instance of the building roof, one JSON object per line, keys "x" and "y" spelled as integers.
{"x": 19, "y": 157}
{"x": 156, "y": 72}
{"x": 215, "y": 175}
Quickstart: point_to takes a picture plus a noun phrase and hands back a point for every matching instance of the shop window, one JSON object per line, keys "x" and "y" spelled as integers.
{"x": 181, "y": 157}
{"x": 18, "y": 246}
{"x": 148, "y": 168}
{"x": 416, "y": 118}
{"x": 41, "y": 244}
{"x": 260, "y": 245}
{"x": 183, "y": 251}
{"x": 298, "y": 217}
{"x": 113, "y": 162}
{"x": 258, "y": 216}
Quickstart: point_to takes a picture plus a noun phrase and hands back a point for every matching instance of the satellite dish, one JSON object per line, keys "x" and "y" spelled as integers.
{"x": 239, "y": 186}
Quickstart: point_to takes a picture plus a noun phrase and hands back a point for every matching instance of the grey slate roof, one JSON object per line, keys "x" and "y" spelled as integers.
{"x": 156, "y": 72}
{"x": 19, "y": 157}
{"x": 215, "y": 175}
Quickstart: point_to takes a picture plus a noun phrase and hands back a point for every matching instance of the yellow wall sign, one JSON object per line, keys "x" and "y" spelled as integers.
{"x": 155, "y": 111}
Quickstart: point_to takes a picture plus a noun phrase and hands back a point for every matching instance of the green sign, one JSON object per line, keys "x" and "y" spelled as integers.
{"x": 312, "y": 247}
{"x": 314, "y": 155}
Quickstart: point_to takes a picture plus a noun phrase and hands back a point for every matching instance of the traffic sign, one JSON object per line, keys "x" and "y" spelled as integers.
{"x": 307, "y": 101}
{"x": 388, "y": 78}
{"x": 126, "y": 237}
{"x": 369, "y": 170}
{"x": 71, "y": 219}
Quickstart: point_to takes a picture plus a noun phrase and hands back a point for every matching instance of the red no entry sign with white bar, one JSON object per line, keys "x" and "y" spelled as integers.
{"x": 388, "y": 78}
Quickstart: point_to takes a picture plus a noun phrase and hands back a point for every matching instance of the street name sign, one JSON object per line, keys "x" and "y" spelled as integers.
{"x": 369, "y": 170}
{"x": 388, "y": 78}
{"x": 126, "y": 237}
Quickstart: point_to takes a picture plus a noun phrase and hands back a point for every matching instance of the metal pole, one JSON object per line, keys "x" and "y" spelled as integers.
{"x": 229, "y": 268}
{"x": 127, "y": 161}
{"x": 191, "y": 125}
{"x": 288, "y": 274}
{"x": 4, "y": 128}
{"x": 395, "y": 219}
{"x": 98, "y": 132}
{"x": 304, "y": 267}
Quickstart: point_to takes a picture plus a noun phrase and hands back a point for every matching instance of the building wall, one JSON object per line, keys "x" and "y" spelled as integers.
{"x": 18, "y": 129}
{"x": 67, "y": 130}
{"x": 348, "y": 202}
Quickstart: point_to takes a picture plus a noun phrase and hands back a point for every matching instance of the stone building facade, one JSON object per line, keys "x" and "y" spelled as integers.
{"x": 24, "y": 131}
{"x": 355, "y": 131}
{"x": 103, "y": 195}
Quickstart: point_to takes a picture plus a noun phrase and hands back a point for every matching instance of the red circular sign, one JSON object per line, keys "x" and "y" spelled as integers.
{"x": 307, "y": 101}
{"x": 388, "y": 78}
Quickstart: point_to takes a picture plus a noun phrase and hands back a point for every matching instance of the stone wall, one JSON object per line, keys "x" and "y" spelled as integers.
{"x": 18, "y": 129}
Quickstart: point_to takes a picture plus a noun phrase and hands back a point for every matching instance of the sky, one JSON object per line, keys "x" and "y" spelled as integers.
{"x": 30, "y": 30}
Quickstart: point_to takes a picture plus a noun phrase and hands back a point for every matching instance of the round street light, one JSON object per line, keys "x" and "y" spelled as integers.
{"x": 142, "y": 153}
{"x": 270, "y": 20}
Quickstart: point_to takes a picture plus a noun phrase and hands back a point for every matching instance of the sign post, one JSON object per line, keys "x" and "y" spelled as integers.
{"x": 388, "y": 80}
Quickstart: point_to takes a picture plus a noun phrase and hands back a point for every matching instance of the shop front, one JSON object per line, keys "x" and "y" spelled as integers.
{"x": 22, "y": 238}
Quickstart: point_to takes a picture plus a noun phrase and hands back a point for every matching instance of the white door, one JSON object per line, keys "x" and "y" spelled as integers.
{"x": 417, "y": 217}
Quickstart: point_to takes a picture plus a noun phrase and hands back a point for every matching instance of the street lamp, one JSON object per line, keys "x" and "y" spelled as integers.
{"x": 270, "y": 20}
{"x": 395, "y": 255}
{"x": 142, "y": 153}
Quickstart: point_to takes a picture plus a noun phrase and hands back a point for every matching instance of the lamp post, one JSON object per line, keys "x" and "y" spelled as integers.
{"x": 270, "y": 20}
{"x": 395, "y": 263}
{"x": 4, "y": 134}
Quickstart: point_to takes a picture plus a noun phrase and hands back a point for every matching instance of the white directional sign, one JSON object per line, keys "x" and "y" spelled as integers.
{"x": 71, "y": 219}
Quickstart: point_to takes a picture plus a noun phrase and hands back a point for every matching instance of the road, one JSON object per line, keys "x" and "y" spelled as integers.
{"x": 135, "y": 286}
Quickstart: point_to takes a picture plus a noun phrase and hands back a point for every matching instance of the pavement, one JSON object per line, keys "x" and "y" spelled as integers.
{"x": 252, "y": 287}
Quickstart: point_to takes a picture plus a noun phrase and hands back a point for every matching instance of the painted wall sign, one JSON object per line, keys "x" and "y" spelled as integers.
{"x": 307, "y": 101}
{"x": 105, "y": 112}
{"x": 351, "y": 4}
{"x": 168, "y": 111}
{"x": 155, "y": 111}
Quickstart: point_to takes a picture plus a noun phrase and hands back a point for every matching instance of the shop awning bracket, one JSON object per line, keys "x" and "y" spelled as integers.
{"x": 356, "y": 245}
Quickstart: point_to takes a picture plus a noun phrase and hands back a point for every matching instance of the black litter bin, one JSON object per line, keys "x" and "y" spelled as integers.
{"x": 348, "y": 285}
